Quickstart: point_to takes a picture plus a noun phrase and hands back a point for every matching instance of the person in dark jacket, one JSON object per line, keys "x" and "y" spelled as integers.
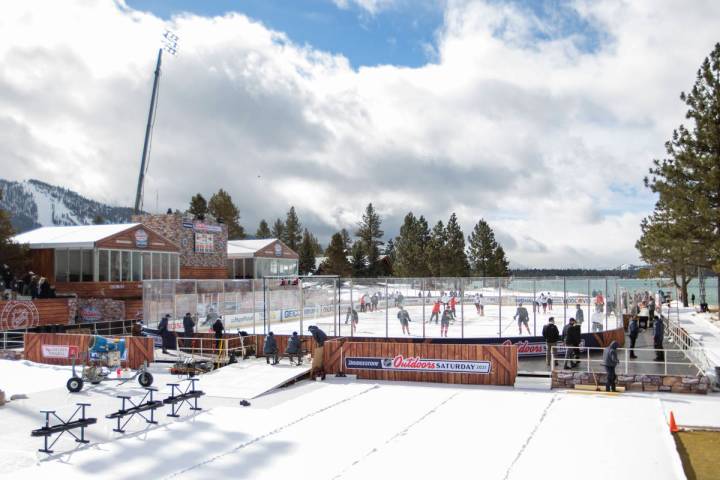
{"x": 610, "y": 361}
{"x": 551, "y": 335}
{"x": 633, "y": 331}
{"x": 523, "y": 318}
{"x": 219, "y": 329}
{"x": 404, "y": 318}
{"x": 579, "y": 315}
{"x": 317, "y": 361}
{"x": 189, "y": 328}
{"x": 270, "y": 349}
{"x": 445, "y": 322}
{"x": 651, "y": 309}
{"x": 572, "y": 342}
{"x": 658, "y": 334}
{"x": 294, "y": 347}
{"x": 165, "y": 333}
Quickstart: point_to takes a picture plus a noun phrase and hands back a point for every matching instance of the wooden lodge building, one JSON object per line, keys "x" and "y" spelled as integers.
{"x": 97, "y": 270}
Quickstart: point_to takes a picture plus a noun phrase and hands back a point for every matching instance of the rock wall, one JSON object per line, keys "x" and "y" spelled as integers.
{"x": 181, "y": 231}
{"x": 638, "y": 383}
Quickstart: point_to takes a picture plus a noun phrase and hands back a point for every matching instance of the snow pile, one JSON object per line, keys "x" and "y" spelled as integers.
{"x": 24, "y": 377}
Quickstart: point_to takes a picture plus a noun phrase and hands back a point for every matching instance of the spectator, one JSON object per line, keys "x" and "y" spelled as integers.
{"x": 189, "y": 328}
{"x": 34, "y": 286}
{"x": 610, "y": 361}
{"x": 435, "y": 312}
{"x": 551, "y": 335}
{"x": 165, "y": 334}
{"x": 219, "y": 330}
{"x": 270, "y": 348}
{"x": 633, "y": 330}
{"x": 404, "y": 318}
{"x": 579, "y": 315}
{"x": 651, "y": 310}
{"x": 294, "y": 348}
{"x": 658, "y": 334}
{"x": 317, "y": 362}
{"x": 572, "y": 337}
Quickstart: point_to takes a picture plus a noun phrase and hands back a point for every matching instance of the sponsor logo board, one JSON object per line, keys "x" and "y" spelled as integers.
{"x": 59, "y": 351}
{"x": 141, "y": 238}
{"x": 19, "y": 314}
{"x": 417, "y": 364}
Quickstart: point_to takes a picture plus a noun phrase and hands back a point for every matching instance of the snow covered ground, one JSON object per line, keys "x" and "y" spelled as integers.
{"x": 703, "y": 327}
{"x": 344, "y": 428}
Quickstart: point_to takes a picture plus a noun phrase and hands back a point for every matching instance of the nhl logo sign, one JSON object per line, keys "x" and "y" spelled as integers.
{"x": 17, "y": 315}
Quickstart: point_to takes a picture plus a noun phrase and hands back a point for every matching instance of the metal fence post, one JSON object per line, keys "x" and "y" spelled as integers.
{"x": 387, "y": 306}
{"x": 500, "y": 303}
{"x": 627, "y": 359}
{"x": 606, "y": 303}
{"x": 588, "y": 358}
{"x": 533, "y": 304}
{"x": 565, "y": 301}
{"x": 422, "y": 292}
{"x": 462, "y": 309}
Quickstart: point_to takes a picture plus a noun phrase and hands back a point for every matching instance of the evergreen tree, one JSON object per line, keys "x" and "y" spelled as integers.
{"x": 482, "y": 248}
{"x": 263, "y": 231}
{"x": 336, "y": 262}
{"x": 500, "y": 263}
{"x": 435, "y": 251}
{"x": 688, "y": 185}
{"x": 15, "y": 256}
{"x": 370, "y": 235}
{"x": 278, "y": 230}
{"x": 98, "y": 220}
{"x": 455, "y": 257}
{"x": 222, "y": 208}
{"x": 292, "y": 231}
{"x": 347, "y": 241}
{"x": 409, "y": 256}
{"x": 317, "y": 248}
{"x": 390, "y": 250}
{"x": 306, "y": 252}
{"x": 357, "y": 262}
{"x": 198, "y": 206}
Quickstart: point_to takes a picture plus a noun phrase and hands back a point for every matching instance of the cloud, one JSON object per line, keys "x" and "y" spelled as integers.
{"x": 370, "y": 6}
{"x": 514, "y": 121}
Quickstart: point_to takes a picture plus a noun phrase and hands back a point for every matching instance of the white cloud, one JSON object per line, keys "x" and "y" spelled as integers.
{"x": 370, "y": 6}
{"x": 540, "y": 138}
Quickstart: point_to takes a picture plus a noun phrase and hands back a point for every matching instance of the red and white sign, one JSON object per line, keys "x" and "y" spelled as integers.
{"x": 59, "y": 351}
{"x": 19, "y": 314}
{"x": 417, "y": 364}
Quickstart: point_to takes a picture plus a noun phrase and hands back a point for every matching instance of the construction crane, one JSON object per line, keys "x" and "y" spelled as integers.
{"x": 169, "y": 44}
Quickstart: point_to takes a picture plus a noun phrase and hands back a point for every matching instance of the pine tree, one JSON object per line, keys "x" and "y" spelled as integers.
{"x": 306, "y": 252}
{"x": 347, "y": 241}
{"x": 317, "y": 248}
{"x": 98, "y": 220}
{"x": 409, "y": 259}
{"x": 15, "y": 256}
{"x": 198, "y": 206}
{"x": 500, "y": 263}
{"x": 222, "y": 208}
{"x": 370, "y": 235}
{"x": 358, "y": 264}
{"x": 263, "y": 231}
{"x": 336, "y": 262}
{"x": 482, "y": 248}
{"x": 688, "y": 184}
{"x": 292, "y": 233}
{"x": 455, "y": 257}
{"x": 278, "y": 230}
{"x": 435, "y": 251}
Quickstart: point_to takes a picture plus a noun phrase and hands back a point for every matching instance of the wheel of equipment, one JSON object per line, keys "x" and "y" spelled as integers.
{"x": 75, "y": 384}
{"x": 145, "y": 379}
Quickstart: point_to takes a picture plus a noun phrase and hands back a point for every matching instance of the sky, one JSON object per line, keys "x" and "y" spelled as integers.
{"x": 540, "y": 117}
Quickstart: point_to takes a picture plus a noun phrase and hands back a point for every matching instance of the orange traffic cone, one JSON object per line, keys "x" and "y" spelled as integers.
{"x": 673, "y": 426}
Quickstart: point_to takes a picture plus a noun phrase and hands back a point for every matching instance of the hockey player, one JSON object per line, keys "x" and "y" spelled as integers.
{"x": 404, "y": 318}
{"x": 549, "y": 301}
{"x": 445, "y": 322}
{"x": 451, "y": 303}
{"x": 523, "y": 318}
{"x": 479, "y": 304}
{"x": 435, "y": 312}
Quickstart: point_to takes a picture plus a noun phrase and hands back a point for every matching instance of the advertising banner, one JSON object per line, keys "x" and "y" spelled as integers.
{"x": 204, "y": 243}
{"x": 417, "y": 364}
{"x": 59, "y": 351}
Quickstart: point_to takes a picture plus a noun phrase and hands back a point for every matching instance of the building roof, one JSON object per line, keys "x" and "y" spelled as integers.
{"x": 75, "y": 236}
{"x": 247, "y": 248}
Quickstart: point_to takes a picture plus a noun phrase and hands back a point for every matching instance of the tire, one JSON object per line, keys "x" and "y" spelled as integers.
{"x": 145, "y": 379}
{"x": 75, "y": 384}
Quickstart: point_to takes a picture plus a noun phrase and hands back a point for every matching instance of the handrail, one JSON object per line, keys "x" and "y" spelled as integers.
{"x": 626, "y": 360}
{"x": 692, "y": 349}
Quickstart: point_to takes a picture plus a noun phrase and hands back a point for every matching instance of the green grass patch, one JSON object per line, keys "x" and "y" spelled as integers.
{"x": 700, "y": 454}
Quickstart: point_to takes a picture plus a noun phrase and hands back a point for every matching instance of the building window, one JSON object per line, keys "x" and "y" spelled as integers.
{"x": 114, "y": 266}
{"x": 61, "y": 267}
{"x": 87, "y": 266}
{"x": 103, "y": 265}
{"x": 174, "y": 265}
{"x": 125, "y": 264}
{"x": 136, "y": 266}
{"x": 156, "y": 265}
{"x": 147, "y": 265}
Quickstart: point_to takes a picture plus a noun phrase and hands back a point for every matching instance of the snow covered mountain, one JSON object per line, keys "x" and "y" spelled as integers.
{"x": 33, "y": 204}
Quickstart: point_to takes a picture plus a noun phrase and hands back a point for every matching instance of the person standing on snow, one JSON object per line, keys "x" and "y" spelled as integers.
{"x": 610, "y": 361}
{"x": 551, "y": 335}
{"x": 317, "y": 360}
{"x": 270, "y": 349}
